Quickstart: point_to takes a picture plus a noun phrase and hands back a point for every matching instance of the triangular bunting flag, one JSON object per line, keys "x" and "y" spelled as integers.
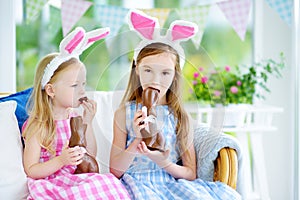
{"x": 71, "y": 12}
{"x": 237, "y": 13}
{"x": 111, "y": 16}
{"x": 55, "y": 20}
{"x": 160, "y": 13}
{"x": 208, "y": 2}
{"x": 283, "y": 8}
{"x": 197, "y": 15}
{"x": 33, "y": 8}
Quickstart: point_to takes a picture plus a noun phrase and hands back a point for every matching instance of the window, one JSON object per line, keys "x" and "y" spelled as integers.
{"x": 108, "y": 63}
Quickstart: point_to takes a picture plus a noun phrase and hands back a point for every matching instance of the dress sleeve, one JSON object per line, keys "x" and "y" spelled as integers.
{"x": 24, "y": 125}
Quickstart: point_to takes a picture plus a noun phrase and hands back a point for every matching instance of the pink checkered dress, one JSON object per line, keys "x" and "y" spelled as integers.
{"x": 63, "y": 184}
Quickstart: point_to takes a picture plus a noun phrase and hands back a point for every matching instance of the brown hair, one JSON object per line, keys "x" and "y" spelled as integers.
{"x": 39, "y": 106}
{"x": 173, "y": 95}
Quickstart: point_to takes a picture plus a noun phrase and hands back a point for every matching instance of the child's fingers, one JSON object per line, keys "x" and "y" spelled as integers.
{"x": 144, "y": 147}
{"x": 90, "y": 105}
{"x": 138, "y": 114}
{"x": 78, "y": 162}
{"x": 66, "y": 145}
{"x": 138, "y": 118}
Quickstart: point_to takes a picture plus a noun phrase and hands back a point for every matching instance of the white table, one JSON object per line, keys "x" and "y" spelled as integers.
{"x": 254, "y": 120}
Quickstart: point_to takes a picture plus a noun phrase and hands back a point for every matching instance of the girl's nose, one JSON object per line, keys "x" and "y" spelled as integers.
{"x": 82, "y": 89}
{"x": 156, "y": 78}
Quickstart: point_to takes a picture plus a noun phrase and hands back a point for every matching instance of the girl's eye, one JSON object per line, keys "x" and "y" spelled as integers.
{"x": 166, "y": 73}
{"x": 74, "y": 85}
{"x": 147, "y": 70}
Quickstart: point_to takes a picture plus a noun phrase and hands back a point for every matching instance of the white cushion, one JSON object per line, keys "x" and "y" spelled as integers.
{"x": 13, "y": 181}
{"x": 107, "y": 103}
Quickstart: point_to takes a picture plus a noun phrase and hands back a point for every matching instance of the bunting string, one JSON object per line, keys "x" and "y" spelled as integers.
{"x": 235, "y": 11}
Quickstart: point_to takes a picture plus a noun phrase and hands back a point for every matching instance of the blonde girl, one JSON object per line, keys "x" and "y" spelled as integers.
{"x": 151, "y": 174}
{"x": 49, "y": 162}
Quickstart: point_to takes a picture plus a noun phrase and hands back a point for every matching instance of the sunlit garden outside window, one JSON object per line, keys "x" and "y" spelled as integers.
{"x": 108, "y": 62}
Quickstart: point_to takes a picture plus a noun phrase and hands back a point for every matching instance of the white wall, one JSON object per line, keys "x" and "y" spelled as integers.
{"x": 7, "y": 47}
{"x": 273, "y": 36}
{"x": 296, "y": 53}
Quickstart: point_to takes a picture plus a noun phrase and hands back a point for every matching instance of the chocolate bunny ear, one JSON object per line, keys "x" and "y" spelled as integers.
{"x": 143, "y": 24}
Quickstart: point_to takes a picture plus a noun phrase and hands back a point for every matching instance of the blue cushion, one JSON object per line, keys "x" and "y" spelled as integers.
{"x": 21, "y": 98}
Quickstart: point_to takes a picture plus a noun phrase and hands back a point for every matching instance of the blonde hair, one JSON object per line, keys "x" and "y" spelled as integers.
{"x": 41, "y": 122}
{"x": 174, "y": 97}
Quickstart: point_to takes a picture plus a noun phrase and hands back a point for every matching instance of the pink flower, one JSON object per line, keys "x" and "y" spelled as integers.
{"x": 227, "y": 68}
{"x": 204, "y": 79}
{"x": 217, "y": 93}
{"x": 238, "y": 83}
{"x": 201, "y": 69}
{"x": 213, "y": 72}
{"x": 234, "y": 89}
{"x": 195, "y": 82}
{"x": 196, "y": 75}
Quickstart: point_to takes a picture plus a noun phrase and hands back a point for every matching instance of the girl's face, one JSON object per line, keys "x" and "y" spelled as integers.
{"x": 69, "y": 86}
{"x": 157, "y": 71}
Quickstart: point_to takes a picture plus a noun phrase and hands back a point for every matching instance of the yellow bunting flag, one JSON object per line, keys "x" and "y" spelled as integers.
{"x": 160, "y": 13}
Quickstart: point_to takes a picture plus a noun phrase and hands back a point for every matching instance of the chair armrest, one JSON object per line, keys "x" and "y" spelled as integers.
{"x": 219, "y": 157}
{"x": 226, "y": 167}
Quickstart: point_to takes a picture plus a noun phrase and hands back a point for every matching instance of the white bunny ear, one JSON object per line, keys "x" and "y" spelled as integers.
{"x": 71, "y": 47}
{"x": 93, "y": 36}
{"x": 143, "y": 24}
{"x": 72, "y": 41}
{"x": 181, "y": 30}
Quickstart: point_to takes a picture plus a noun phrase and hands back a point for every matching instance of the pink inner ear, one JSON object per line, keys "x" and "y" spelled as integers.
{"x": 179, "y": 32}
{"x": 99, "y": 37}
{"x": 143, "y": 25}
{"x": 74, "y": 42}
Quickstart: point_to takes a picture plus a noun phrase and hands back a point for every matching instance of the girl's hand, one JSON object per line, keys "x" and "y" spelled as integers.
{"x": 160, "y": 158}
{"x": 137, "y": 123}
{"x": 90, "y": 109}
{"x": 71, "y": 156}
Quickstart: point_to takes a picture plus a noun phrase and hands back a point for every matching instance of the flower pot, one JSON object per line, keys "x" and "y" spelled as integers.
{"x": 235, "y": 115}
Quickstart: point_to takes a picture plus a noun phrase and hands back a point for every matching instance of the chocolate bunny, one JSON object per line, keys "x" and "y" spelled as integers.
{"x": 151, "y": 135}
{"x": 78, "y": 129}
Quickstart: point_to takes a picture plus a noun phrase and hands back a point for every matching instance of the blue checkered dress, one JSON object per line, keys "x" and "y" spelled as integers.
{"x": 145, "y": 180}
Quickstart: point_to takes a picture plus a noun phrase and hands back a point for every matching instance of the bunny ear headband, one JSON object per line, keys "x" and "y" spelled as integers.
{"x": 148, "y": 29}
{"x": 72, "y": 46}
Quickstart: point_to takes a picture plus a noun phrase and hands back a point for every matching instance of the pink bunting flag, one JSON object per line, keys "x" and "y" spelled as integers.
{"x": 237, "y": 13}
{"x": 71, "y": 12}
